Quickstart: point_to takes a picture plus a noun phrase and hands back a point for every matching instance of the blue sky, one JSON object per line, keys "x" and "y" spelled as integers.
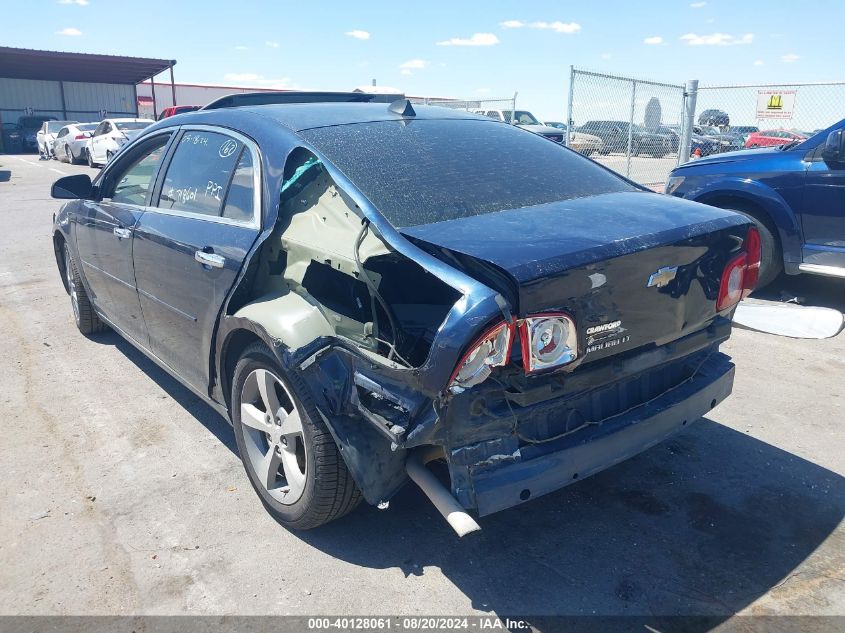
{"x": 458, "y": 49}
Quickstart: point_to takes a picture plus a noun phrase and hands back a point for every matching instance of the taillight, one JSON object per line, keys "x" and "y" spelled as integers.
{"x": 548, "y": 341}
{"x": 491, "y": 349}
{"x": 751, "y": 246}
{"x": 731, "y": 286}
{"x": 79, "y": 137}
{"x": 741, "y": 274}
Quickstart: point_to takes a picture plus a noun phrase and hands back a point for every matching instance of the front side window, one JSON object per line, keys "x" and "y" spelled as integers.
{"x": 198, "y": 176}
{"x": 133, "y": 183}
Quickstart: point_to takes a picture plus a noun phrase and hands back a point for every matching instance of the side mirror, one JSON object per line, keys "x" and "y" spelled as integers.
{"x": 76, "y": 187}
{"x": 834, "y": 148}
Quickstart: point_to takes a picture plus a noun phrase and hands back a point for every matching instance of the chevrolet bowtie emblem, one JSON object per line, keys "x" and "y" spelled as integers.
{"x": 662, "y": 277}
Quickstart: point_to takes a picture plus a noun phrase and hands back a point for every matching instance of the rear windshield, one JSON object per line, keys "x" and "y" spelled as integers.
{"x": 419, "y": 172}
{"x": 132, "y": 125}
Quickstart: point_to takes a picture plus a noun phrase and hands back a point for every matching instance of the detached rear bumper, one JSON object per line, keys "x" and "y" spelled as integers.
{"x": 628, "y": 434}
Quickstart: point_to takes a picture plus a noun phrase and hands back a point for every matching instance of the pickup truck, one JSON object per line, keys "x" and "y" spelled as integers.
{"x": 794, "y": 193}
{"x": 364, "y": 288}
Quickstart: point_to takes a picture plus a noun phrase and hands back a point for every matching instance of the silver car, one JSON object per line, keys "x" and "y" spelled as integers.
{"x": 71, "y": 142}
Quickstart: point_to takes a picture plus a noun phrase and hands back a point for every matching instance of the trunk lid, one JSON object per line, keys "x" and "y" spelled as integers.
{"x": 632, "y": 268}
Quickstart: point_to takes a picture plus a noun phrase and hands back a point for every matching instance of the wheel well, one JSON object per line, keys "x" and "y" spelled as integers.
{"x": 753, "y": 209}
{"x": 236, "y": 343}
{"x": 59, "y": 250}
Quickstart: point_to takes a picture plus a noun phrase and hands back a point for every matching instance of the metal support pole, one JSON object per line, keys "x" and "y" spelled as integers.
{"x": 172, "y": 85}
{"x": 690, "y": 97}
{"x": 631, "y": 128}
{"x": 513, "y": 108}
{"x": 153, "y": 86}
{"x": 64, "y": 104}
{"x": 569, "y": 106}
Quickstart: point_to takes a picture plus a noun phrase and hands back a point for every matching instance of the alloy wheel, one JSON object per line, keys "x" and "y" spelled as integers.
{"x": 272, "y": 434}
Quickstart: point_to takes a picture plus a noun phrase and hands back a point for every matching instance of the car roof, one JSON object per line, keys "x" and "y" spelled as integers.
{"x": 303, "y": 116}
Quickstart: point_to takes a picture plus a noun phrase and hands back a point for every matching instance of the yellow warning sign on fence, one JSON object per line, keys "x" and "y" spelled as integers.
{"x": 775, "y": 104}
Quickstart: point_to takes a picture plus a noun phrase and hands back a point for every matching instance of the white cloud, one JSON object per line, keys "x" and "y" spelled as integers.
{"x": 358, "y": 35}
{"x": 241, "y": 48}
{"x": 759, "y": 62}
{"x": 477, "y": 39}
{"x": 558, "y": 27}
{"x": 411, "y": 65}
{"x": 483, "y": 91}
{"x": 270, "y": 44}
{"x": 81, "y": 3}
{"x": 606, "y": 55}
{"x": 653, "y": 41}
{"x": 698, "y": 5}
{"x": 716, "y": 39}
{"x": 69, "y": 31}
{"x": 790, "y": 57}
{"x": 709, "y": 20}
{"x": 258, "y": 80}
{"x": 414, "y": 64}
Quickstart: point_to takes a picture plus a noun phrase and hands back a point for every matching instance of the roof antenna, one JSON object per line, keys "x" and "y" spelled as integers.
{"x": 402, "y": 107}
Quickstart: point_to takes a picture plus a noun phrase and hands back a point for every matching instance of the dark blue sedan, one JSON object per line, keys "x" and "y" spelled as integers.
{"x": 363, "y": 288}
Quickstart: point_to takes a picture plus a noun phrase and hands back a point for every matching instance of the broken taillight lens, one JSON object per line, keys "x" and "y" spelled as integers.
{"x": 491, "y": 349}
{"x": 548, "y": 341}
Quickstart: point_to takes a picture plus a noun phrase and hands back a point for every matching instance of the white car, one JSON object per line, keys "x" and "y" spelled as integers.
{"x": 110, "y": 135}
{"x": 586, "y": 144}
{"x": 46, "y": 136}
{"x": 72, "y": 142}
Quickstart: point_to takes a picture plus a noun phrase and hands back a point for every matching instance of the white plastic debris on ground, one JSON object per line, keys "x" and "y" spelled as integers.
{"x": 789, "y": 319}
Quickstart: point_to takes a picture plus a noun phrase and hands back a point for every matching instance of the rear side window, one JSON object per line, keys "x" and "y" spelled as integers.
{"x": 423, "y": 171}
{"x": 241, "y": 196}
{"x": 199, "y": 173}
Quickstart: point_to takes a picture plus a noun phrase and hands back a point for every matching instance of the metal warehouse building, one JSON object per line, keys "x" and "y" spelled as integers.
{"x": 72, "y": 86}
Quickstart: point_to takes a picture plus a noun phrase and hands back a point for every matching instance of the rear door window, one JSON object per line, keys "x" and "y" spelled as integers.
{"x": 240, "y": 200}
{"x": 199, "y": 174}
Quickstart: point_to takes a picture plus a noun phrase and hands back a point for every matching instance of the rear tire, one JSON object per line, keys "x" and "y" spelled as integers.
{"x": 289, "y": 455}
{"x": 84, "y": 316}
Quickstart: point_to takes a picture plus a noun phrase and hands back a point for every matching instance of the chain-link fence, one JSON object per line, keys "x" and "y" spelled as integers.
{"x": 637, "y": 119}
{"x": 639, "y": 123}
{"x": 747, "y": 117}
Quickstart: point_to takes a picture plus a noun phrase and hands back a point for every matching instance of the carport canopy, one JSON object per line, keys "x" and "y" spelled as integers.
{"x": 24, "y": 63}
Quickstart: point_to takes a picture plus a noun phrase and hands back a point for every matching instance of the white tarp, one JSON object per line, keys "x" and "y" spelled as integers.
{"x": 789, "y": 319}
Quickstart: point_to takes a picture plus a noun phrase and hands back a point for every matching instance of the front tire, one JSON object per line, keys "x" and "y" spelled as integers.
{"x": 84, "y": 316}
{"x": 289, "y": 455}
{"x": 771, "y": 259}
{"x": 90, "y": 158}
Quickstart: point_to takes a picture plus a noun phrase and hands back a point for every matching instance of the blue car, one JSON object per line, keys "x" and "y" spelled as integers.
{"x": 363, "y": 288}
{"x": 794, "y": 193}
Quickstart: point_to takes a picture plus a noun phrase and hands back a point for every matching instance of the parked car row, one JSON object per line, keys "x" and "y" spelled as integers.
{"x": 72, "y": 141}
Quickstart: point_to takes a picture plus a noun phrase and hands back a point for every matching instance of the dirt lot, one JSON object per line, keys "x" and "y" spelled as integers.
{"x": 122, "y": 492}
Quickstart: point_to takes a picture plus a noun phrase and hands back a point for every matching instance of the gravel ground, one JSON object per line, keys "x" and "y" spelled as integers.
{"x": 123, "y": 493}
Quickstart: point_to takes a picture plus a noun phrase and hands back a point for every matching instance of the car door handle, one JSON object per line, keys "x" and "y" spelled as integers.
{"x": 121, "y": 232}
{"x": 210, "y": 259}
